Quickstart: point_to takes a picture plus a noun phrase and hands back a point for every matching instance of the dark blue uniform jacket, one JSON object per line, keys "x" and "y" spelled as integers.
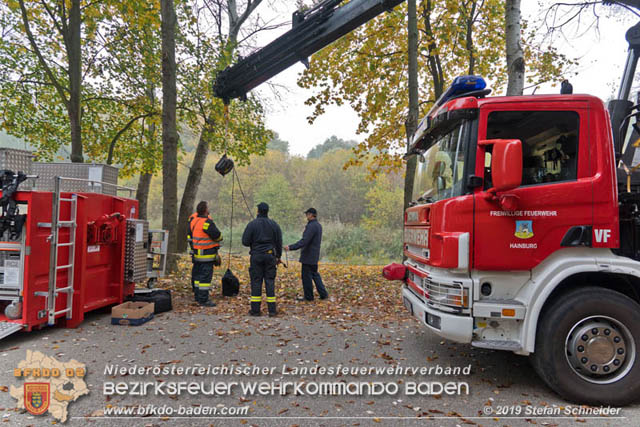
{"x": 310, "y": 243}
{"x": 263, "y": 235}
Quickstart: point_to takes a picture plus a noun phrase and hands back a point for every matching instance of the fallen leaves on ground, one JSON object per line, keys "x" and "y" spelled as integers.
{"x": 356, "y": 292}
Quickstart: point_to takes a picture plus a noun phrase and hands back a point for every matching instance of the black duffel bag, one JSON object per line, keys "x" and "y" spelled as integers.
{"x": 224, "y": 165}
{"x": 160, "y": 297}
{"x": 230, "y": 284}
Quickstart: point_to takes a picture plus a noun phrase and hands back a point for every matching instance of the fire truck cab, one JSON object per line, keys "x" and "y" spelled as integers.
{"x": 513, "y": 241}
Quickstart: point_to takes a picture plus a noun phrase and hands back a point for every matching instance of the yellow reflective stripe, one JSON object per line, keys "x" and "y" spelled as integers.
{"x": 271, "y": 299}
{"x": 205, "y": 226}
{"x": 195, "y": 282}
{"x": 205, "y": 256}
{"x": 256, "y": 299}
{"x": 204, "y": 285}
{"x": 205, "y": 245}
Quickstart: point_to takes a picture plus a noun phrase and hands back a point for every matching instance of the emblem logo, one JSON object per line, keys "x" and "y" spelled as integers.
{"x": 524, "y": 229}
{"x": 36, "y": 397}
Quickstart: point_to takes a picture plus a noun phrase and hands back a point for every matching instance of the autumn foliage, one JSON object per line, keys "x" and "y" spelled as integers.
{"x": 355, "y": 292}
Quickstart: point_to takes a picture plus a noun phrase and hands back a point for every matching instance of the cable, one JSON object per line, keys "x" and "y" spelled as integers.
{"x": 226, "y": 127}
{"x": 231, "y": 223}
{"x": 226, "y": 137}
{"x": 242, "y": 192}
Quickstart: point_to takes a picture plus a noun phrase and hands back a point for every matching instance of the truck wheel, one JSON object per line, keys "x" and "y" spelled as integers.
{"x": 586, "y": 347}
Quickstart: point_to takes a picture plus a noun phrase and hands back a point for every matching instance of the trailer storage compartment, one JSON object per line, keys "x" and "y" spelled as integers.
{"x": 90, "y": 177}
{"x": 18, "y": 161}
{"x": 78, "y": 251}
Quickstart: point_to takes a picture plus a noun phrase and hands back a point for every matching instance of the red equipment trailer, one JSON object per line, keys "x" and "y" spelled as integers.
{"x": 77, "y": 252}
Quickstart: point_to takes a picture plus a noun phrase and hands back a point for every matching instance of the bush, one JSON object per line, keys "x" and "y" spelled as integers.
{"x": 356, "y": 245}
{"x": 345, "y": 244}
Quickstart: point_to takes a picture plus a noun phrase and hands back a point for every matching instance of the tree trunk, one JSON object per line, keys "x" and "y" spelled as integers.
{"x": 412, "y": 119}
{"x": 515, "y": 55}
{"x": 142, "y": 193}
{"x": 191, "y": 188}
{"x": 469, "y": 37}
{"x": 433, "y": 57}
{"x": 169, "y": 130}
{"x": 236, "y": 21}
{"x": 74, "y": 53}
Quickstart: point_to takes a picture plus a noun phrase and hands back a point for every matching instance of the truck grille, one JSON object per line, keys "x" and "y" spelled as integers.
{"x": 447, "y": 295}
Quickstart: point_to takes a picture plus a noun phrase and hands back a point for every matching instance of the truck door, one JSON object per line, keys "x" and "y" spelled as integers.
{"x": 556, "y": 190}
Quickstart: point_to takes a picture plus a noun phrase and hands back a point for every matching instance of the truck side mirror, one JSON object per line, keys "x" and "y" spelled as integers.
{"x": 506, "y": 164}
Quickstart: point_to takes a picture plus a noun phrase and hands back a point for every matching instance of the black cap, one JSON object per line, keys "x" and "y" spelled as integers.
{"x": 263, "y": 207}
{"x": 312, "y": 211}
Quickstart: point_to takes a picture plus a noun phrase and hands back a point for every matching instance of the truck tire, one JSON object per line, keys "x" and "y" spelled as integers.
{"x": 586, "y": 347}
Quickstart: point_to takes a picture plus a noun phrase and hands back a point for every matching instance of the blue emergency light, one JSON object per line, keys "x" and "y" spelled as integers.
{"x": 460, "y": 86}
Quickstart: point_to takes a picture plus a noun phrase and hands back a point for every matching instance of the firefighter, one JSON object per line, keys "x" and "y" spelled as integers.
{"x": 264, "y": 237}
{"x": 309, "y": 256}
{"x": 204, "y": 239}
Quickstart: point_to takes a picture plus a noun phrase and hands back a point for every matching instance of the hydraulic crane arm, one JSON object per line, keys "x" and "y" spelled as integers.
{"x": 311, "y": 31}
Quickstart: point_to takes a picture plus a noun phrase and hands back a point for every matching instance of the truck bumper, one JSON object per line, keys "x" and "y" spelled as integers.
{"x": 449, "y": 326}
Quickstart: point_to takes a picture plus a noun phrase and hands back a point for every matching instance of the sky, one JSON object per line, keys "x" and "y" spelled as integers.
{"x": 601, "y": 55}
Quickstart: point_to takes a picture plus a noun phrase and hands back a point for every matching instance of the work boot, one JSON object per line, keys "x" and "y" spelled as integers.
{"x": 202, "y": 298}
{"x": 272, "y": 309}
{"x": 255, "y": 307}
{"x": 253, "y": 313}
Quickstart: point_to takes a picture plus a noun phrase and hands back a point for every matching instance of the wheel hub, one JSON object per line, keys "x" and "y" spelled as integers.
{"x": 600, "y": 349}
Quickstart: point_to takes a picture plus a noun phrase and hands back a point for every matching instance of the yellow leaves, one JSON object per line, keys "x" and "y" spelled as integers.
{"x": 367, "y": 69}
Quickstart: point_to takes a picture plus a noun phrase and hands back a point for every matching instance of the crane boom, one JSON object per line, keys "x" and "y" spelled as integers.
{"x": 310, "y": 32}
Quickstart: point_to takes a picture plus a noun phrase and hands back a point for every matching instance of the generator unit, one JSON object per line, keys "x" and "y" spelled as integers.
{"x": 76, "y": 250}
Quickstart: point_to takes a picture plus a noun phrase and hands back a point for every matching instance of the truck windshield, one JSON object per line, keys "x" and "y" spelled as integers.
{"x": 440, "y": 170}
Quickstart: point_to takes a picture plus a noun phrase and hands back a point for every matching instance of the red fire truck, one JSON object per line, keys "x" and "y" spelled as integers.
{"x": 524, "y": 234}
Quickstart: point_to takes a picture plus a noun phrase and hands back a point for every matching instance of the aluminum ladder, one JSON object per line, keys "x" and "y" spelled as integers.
{"x": 54, "y": 268}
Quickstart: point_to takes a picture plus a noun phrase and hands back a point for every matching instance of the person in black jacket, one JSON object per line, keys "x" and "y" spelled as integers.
{"x": 309, "y": 257}
{"x": 264, "y": 237}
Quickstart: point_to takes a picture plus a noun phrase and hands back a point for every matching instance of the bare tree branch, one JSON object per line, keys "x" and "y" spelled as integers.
{"x": 59, "y": 88}
{"x": 126, "y": 127}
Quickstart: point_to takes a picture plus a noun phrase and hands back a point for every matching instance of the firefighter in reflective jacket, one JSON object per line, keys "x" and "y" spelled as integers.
{"x": 204, "y": 239}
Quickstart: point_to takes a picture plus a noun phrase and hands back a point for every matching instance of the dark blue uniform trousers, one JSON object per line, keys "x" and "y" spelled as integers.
{"x": 262, "y": 267}
{"x": 310, "y": 274}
